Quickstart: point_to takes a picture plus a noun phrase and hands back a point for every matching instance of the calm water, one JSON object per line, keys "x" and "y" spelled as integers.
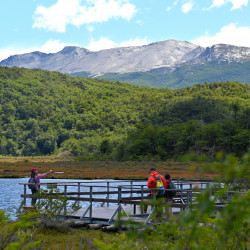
{"x": 11, "y": 190}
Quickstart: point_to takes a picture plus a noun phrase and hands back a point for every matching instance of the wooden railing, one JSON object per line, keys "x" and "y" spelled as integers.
{"x": 113, "y": 192}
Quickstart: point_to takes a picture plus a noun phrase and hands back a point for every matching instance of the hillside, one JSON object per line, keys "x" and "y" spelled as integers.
{"x": 183, "y": 76}
{"x": 44, "y": 113}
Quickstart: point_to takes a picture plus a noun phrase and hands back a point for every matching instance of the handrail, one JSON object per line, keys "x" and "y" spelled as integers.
{"x": 130, "y": 189}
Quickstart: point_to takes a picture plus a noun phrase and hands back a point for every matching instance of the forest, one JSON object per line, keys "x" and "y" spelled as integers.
{"x": 47, "y": 113}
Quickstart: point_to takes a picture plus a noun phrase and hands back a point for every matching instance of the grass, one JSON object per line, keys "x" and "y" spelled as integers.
{"x": 73, "y": 239}
{"x": 18, "y": 167}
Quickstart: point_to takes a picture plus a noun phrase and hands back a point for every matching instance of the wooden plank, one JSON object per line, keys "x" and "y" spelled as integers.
{"x": 106, "y": 213}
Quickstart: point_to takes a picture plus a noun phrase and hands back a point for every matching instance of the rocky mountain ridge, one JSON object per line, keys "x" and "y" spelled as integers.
{"x": 169, "y": 54}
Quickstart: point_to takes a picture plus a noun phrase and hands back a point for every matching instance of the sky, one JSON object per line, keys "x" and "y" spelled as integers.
{"x": 50, "y": 25}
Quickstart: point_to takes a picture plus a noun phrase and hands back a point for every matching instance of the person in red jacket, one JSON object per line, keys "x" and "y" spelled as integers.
{"x": 152, "y": 184}
{"x": 167, "y": 181}
{"x": 168, "y": 194}
{"x": 152, "y": 180}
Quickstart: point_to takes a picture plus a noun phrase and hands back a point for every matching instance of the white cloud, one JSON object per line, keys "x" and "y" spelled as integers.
{"x": 105, "y": 43}
{"x": 187, "y": 7}
{"x": 57, "y": 16}
{"x": 236, "y": 3}
{"x": 218, "y": 3}
{"x": 102, "y": 43}
{"x": 90, "y": 28}
{"x": 51, "y": 46}
{"x": 140, "y": 22}
{"x": 134, "y": 42}
{"x": 230, "y": 34}
{"x": 5, "y": 53}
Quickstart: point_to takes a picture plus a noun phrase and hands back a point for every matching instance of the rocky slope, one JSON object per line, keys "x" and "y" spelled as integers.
{"x": 157, "y": 59}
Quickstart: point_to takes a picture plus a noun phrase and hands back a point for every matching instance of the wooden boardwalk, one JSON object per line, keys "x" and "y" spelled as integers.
{"x": 105, "y": 214}
{"x": 104, "y": 202}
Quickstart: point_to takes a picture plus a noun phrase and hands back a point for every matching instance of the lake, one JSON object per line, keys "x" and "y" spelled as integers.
{"x": 11, "y": 190}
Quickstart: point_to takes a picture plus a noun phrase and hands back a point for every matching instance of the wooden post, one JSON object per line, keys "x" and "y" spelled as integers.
{"x": 119, "y": 198}
{"x": 24, "y": 192}
{"x": 79, "y": 190}
{"x": 182, "y": 199}
{"x": 154, "y": 198}
{"x": 65, "y": 196}
{"x": 39, "y": 198}
{"x": 108, "y": 193}
{"x": 90, "y": 200}
{"x": 191, "y": 197}
{"x": 142, "y": 193}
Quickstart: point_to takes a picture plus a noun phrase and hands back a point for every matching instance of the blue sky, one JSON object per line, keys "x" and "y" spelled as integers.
{"x": 50, "y": 25}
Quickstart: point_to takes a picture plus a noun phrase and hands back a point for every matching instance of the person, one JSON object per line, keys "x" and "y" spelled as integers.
{"x": 167, "y": 180}
{"x": 152, "y": 184}
{"x": 152, "y": 179}
{"x": 168, "y": 194}
{"x": 37, "y": 177}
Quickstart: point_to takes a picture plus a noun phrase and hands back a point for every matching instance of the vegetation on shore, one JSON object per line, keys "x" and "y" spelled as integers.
{"x": 45, "y": 113}
{"x": 197, "y": 228}
{"x": 69, "y": 168}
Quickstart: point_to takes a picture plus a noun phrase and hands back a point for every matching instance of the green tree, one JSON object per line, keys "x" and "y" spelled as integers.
{"x": 105, "y": 147}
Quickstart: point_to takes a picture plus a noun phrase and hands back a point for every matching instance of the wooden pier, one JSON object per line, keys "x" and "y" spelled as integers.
{"x": 101, "y": 202}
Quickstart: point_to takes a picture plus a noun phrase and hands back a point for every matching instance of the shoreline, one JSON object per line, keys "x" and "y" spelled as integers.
{"x": 19, "y": 167}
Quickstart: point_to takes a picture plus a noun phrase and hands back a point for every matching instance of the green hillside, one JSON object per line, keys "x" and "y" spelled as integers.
{"x": 183, "y": 76}
{"x": 44, "y": 113}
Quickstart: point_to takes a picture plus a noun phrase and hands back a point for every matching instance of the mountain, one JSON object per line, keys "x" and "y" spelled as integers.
{"x": 160, "y": 64}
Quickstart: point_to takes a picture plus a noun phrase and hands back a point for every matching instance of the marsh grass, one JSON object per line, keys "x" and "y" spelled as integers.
{"x": 14, "y": 167}
{"x": 73, "y": 239}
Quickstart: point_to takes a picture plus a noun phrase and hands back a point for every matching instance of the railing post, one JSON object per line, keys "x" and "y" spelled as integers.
{"x": 119, "y": 198}
{"x": 154, "y": 198}
{"x": 108, "y": 193}
{"x": 187, "y": 198}
{"x": 191, "y": 197}
{"x": 39, "y": 198}
{"x": 24, "y": 192}
{"x": 79, "y": 190}
{"x": 181, "y": 194}
{"x": 142, "y": 194}
{"x": 90, "y": 199}
{"x": 65, "y": 196}
{"x": 154, "y": 194}
{"x": 131, "y": 189}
